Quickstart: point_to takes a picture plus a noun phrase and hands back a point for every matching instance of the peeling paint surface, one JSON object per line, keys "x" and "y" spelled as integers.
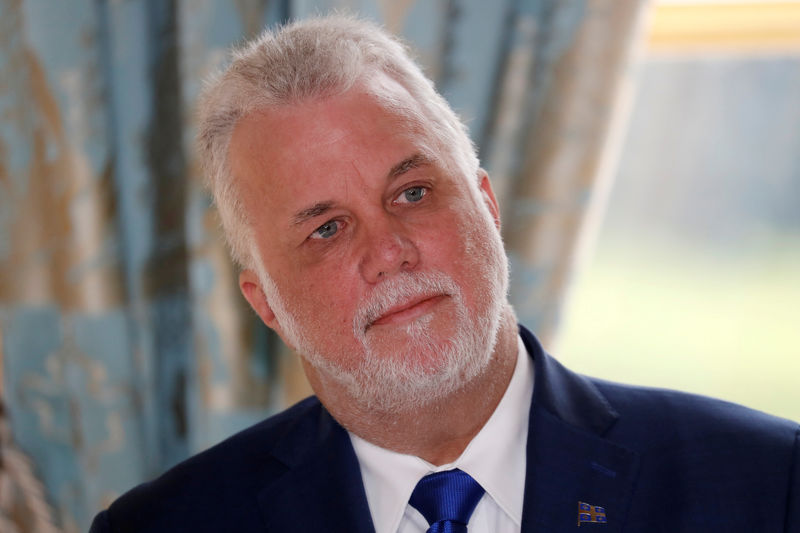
{"x": 125, "y": 345}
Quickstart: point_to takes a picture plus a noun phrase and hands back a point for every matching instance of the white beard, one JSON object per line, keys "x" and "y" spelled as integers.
{"x": 424, "y": 368}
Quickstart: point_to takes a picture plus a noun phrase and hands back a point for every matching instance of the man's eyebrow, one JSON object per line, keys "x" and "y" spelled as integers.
{"x": 311, "y": 212}
{"x": 406, "y": 165}
{"x": 410, "y": 163}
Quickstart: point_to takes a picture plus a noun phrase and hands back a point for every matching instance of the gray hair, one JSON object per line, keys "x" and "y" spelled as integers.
{"x": 311, "y": 59}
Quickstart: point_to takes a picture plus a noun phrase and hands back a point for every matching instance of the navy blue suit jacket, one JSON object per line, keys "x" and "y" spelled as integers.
{"x": 657, "y": 461}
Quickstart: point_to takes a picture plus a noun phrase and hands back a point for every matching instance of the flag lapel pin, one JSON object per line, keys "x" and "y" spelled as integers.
{"x": 590, "y": 514}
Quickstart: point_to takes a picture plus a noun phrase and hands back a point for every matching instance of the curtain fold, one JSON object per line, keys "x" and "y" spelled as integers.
{"x": 124, "y": 343}
{"x": 581, "y": 53}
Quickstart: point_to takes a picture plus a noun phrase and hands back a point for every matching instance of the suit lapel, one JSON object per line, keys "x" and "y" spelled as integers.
{"x": 322, "y": 488}
{"x": 568, "y": 460}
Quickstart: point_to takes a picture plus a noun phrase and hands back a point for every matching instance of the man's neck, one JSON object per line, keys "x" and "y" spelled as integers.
{"x": 440, "y": 431}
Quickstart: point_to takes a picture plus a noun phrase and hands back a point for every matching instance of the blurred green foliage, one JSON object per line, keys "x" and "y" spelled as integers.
{"x": 719, "y": 322}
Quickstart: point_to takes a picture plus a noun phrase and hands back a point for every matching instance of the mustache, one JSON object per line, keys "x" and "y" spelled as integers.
{"x": 403, "y": 287}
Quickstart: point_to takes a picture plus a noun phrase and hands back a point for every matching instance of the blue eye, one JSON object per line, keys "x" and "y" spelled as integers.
{"x": 413, "y": 194}
{"x": 326, "y": 231}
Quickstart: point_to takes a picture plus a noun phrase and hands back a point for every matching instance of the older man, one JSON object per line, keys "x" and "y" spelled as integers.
{"x": 370, "y": 242}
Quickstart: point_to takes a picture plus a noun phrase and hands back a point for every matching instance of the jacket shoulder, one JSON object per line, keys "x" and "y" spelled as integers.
{"x": 650, "y": 416}
{"x": 214, "y": 490}
{"x": 703, "y": 455}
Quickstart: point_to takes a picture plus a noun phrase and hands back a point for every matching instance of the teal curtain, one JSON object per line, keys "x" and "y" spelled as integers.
{"x": 124, "y": 344}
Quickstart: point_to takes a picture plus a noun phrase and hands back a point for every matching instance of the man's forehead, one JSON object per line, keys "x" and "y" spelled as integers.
{"x": 333, "y": 128}
{"x": 292, "y": 158}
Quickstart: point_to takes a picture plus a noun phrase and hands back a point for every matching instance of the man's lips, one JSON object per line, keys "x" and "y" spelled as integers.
{"x": 408, "y": 311}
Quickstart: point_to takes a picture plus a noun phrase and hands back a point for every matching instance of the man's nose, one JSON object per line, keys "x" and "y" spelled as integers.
{"x": 387, "y": 250}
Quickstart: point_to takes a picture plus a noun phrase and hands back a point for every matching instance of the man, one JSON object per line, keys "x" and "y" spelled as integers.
{"x": 369, "y": 240}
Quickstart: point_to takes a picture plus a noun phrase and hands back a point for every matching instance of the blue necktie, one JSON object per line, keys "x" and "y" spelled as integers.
{"x": 446, "y": 500}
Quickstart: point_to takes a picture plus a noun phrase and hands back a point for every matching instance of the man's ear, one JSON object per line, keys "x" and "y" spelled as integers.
{"x": 251, "y": 288}
{"x": 485, "y": 186}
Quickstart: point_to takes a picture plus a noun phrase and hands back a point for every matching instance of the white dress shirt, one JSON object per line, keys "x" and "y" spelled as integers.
{"x": 495, "y": 458}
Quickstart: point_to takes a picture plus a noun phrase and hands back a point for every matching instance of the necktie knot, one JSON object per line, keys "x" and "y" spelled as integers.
{"x": 446, "y": 500}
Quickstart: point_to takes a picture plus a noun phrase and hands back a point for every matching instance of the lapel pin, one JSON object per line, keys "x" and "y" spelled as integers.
{"x": 590, "y": 514}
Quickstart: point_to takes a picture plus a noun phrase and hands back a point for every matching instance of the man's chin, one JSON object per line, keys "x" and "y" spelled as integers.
{"x": 407, "y": 365}
{"x": 413, "y": 378}
{"x": 411, "y": 355}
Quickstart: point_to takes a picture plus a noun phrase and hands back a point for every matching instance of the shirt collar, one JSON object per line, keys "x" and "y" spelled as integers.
{"x": 495, "y": 458}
